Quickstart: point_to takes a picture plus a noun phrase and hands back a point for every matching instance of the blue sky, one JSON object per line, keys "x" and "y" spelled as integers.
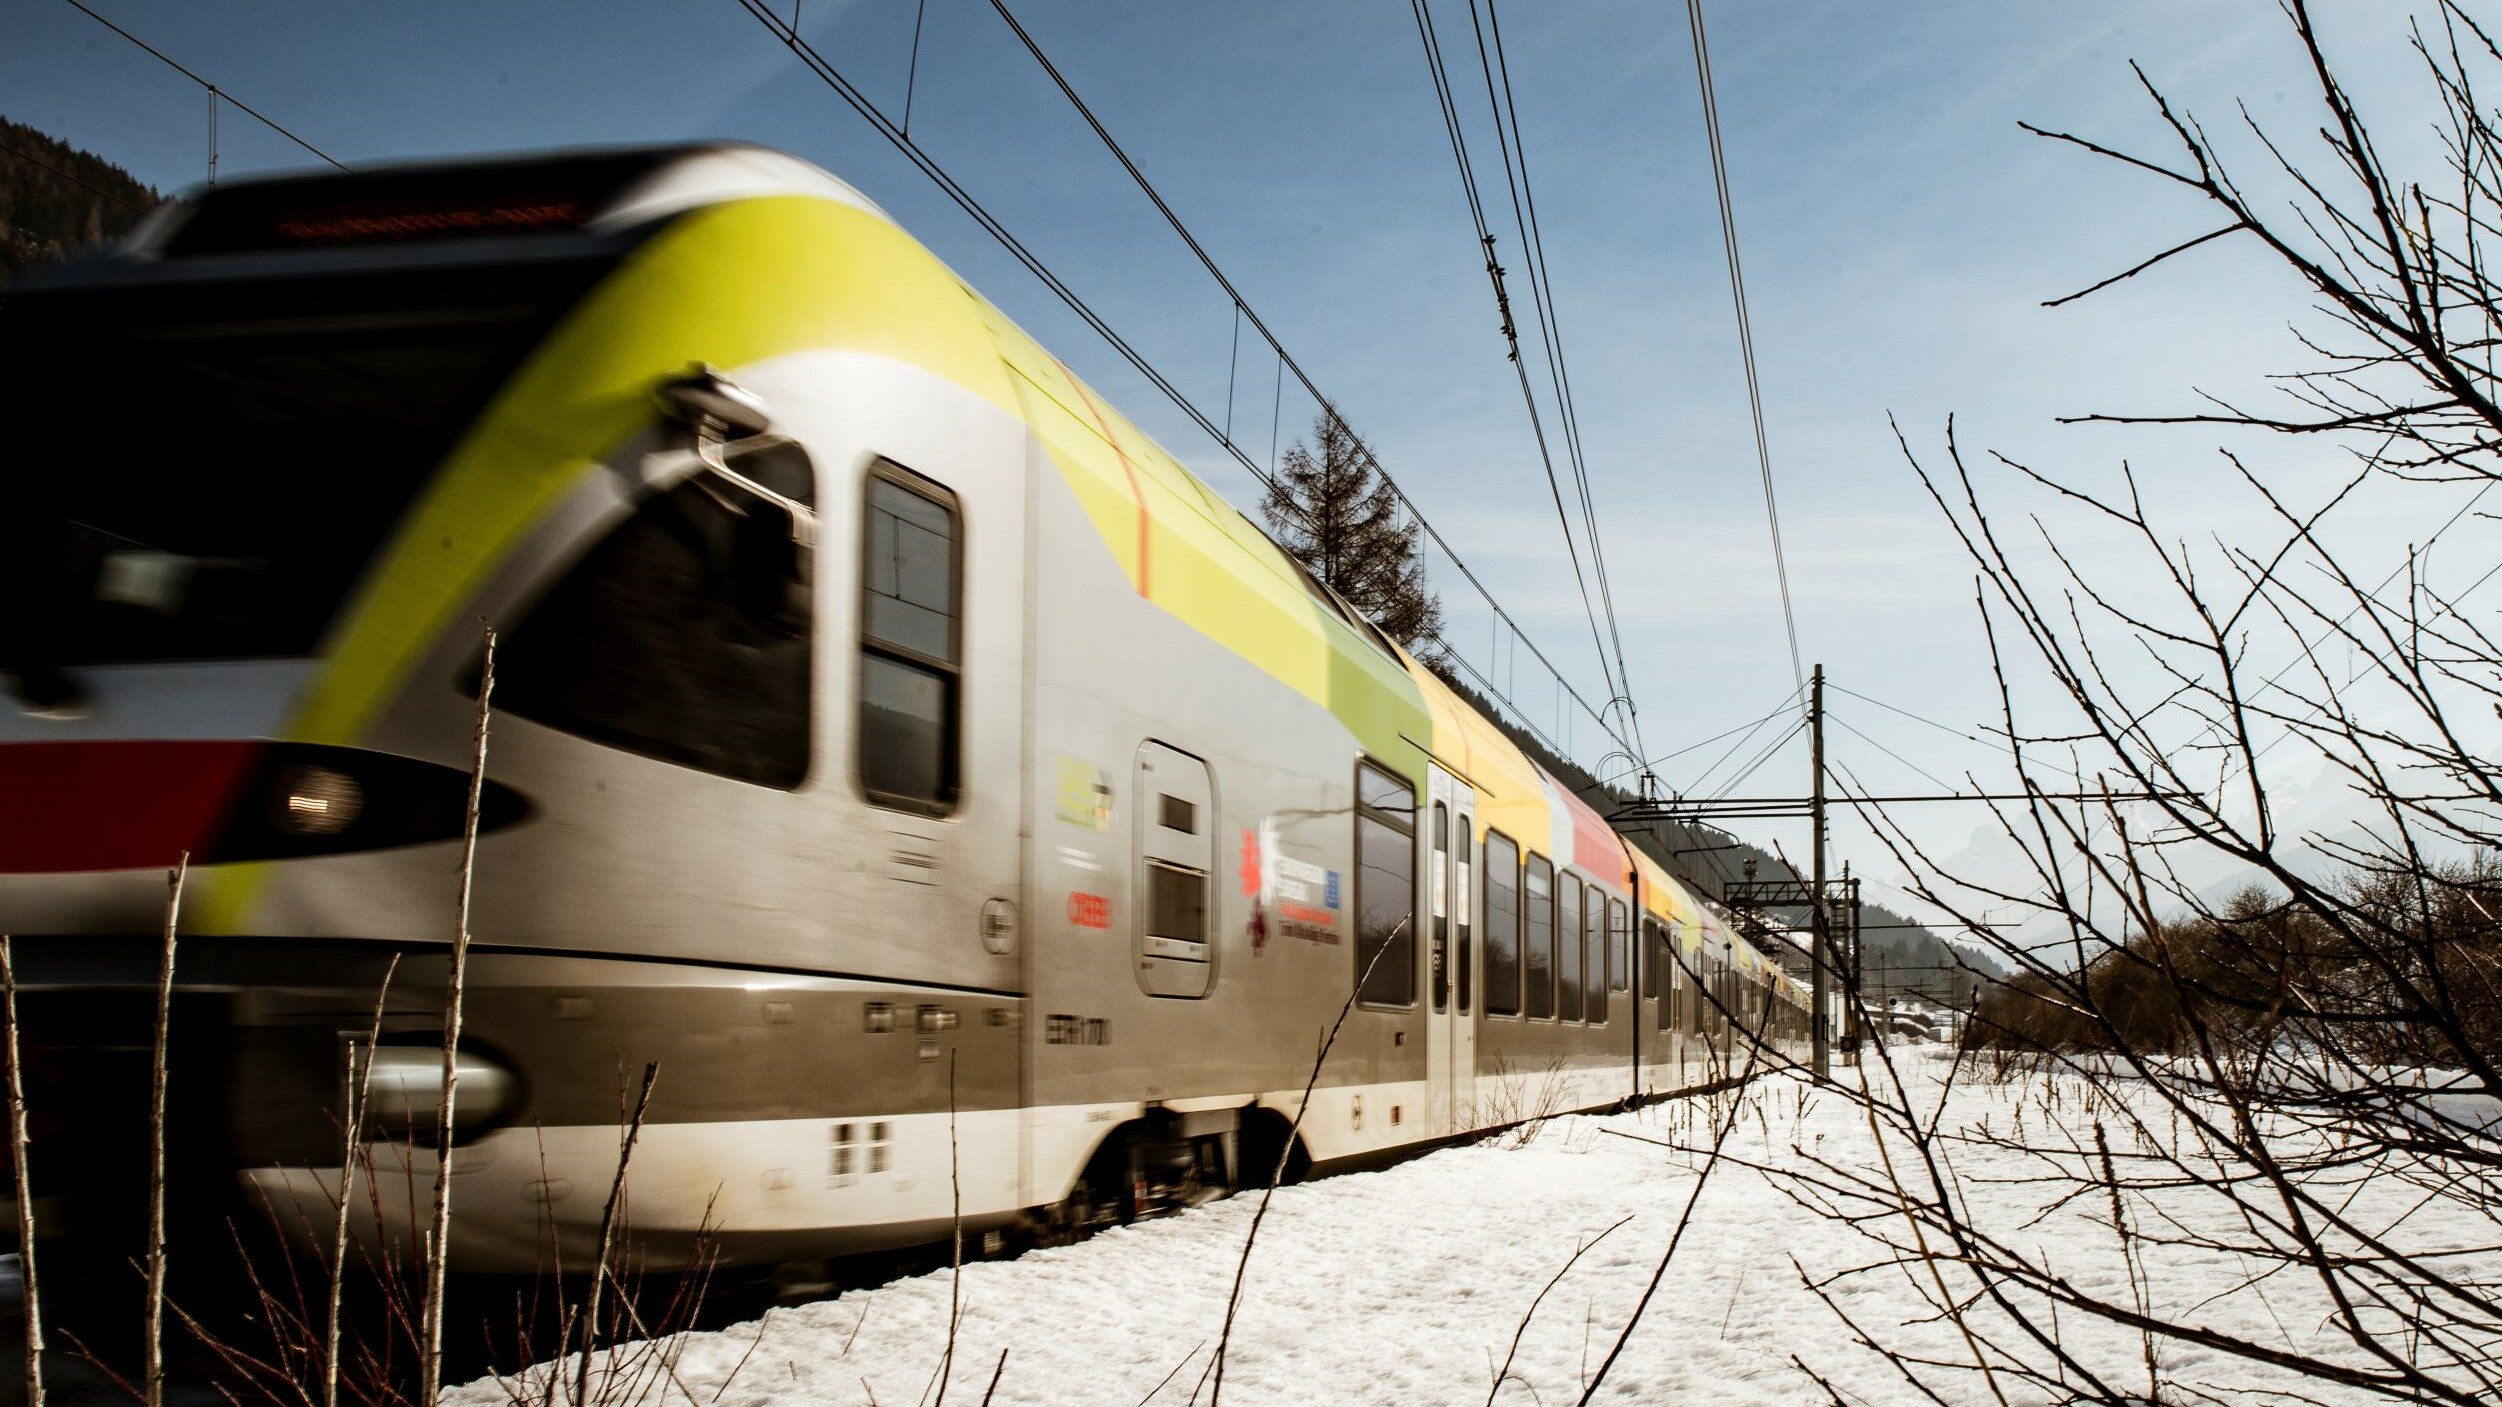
{"x": 1899, "y": 233}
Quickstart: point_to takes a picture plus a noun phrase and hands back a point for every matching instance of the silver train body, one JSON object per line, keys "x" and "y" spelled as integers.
{"x": 945, "y": 792}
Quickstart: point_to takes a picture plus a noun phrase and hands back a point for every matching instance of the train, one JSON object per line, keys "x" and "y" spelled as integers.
{"x": 971, "y": 819}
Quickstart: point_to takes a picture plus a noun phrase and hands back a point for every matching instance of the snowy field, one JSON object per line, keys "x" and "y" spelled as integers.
{"x": 1408, "y": 1285}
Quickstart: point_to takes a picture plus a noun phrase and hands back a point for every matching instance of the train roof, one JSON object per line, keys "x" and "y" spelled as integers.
{"x": 471, "y": 209}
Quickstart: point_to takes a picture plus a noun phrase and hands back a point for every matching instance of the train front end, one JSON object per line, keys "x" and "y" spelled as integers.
{"x": 279, "y": 461}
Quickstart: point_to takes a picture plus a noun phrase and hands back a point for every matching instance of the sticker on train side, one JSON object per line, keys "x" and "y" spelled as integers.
{"x": 1085, "y": 798}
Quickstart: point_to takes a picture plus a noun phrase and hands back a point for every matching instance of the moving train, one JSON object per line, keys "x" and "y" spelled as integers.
{"x": 958, "y": 803}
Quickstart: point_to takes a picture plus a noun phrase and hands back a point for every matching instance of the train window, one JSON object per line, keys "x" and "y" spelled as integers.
{"x": 255, "y": 445}
{"x": 1569, "y": 893}
{"x": 1462, "y": 905}
{"x": 911, "y": 668}
{"x": 1385, "y": 886}
{"x": 1539, "y": 945}
{"x": 668, "y": 639}
{"x": 1604, "y": 914}
{"x": 1690, "y": 977}
{"x": 1177, "y": 904}
{"x": 1176, "y": 948}
{"x": 1663, "y": 961}
{"x": 1619, "y": 948}
{"x": 1502, "y": 890}
{"x": 1438, "y": 887}
{"x": 1717, "y": 998}
{"x": 1650, "y": 958}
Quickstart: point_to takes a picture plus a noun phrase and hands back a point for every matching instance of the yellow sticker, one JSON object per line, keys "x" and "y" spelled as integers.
{"x": 1085, "y": 795}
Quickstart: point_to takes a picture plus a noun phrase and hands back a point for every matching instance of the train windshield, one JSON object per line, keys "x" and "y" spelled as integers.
{"x": 202, "y": 472}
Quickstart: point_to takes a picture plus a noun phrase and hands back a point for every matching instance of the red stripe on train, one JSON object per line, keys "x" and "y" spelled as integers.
{"x": 114, "y": 805}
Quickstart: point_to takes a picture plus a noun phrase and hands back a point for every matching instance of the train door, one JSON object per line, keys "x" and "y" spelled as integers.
{"x": 1450, "y": 963}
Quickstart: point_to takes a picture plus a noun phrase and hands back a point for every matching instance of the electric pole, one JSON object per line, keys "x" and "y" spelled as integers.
{"x": 1854, "y": 989}
{"x": 1819, "y": 932}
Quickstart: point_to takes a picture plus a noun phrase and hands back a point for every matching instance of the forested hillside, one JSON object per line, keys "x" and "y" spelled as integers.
{"x": 1898, "y": 957}
{"x": 56, "y": 199}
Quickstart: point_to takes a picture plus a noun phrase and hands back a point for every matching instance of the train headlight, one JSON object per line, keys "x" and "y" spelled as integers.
{"x": 404, "y": 1096}
{"x": 314, "y": 800}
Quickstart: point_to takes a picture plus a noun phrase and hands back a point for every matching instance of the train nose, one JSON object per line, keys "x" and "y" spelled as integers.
{"x": 125, "y": 805}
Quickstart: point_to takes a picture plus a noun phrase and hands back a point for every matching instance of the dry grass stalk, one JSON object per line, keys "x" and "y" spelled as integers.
{"x": 1516, "y": 1109}
{"x": 1726, "y": 1124}
{"x": 1233, "y": 1300}
{"x": 1173, "y": 1373}
{"x": 155, "y": 1340}
{"x": 955, "y": 1276}
{"x": 437, "y": 1248}
{"x": 360, "y": 1087}
{"x": 1519, "y": 1333}
{"x": 608, "y": 1236}
{"x": 25, "y": 1192}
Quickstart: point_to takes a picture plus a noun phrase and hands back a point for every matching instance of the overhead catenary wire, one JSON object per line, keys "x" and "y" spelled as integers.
{"x": 1777, "y": 710}
{"x": 1770, "y": 750}
{"x": 1798, "y": 720}
{"x": 1243, "y": 311}
{"x": 870, "y": 112}
{"x": 1844, "y": 723}
{"x": 1780, "y": 740}
{"x": 1949, "y": 728}
{"x": 215, "y": 91}
{"x": 895, "y": 136}
{"x": 1513, "y": 146}
{"x": 1745, "y": 324}
{"x": 1456, "y": 130}
{"x": 1495, "y": 691}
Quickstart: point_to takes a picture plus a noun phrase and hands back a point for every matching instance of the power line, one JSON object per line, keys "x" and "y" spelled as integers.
{"x": 1770, "y": 749}
{"x": 1777, "y": 710}
{"x": 1492, "y": 62}
{"x": 1741, "y": 743}
{"x": 1244, "y": 311}
{"x": 876, "y": 117}
{"x": 214, "y": 91}
{"x": 1950, "y": 728}
{"x": 1898, "y": 757}
{"x": 1456, "y": 130}
{"x": 1745, "y": 326}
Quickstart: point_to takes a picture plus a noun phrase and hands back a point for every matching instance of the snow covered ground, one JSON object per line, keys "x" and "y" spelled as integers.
{"x": 1407, "y": 1286}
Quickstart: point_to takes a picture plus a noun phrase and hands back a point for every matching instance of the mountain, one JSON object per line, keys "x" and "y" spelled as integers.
{"x": 56, "y": 199}
{"x": 1897, "y": 956}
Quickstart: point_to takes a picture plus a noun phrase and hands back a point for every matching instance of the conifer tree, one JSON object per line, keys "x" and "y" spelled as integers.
{"x": 1334, "y": 510}
{"x": 56, "y": 199}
